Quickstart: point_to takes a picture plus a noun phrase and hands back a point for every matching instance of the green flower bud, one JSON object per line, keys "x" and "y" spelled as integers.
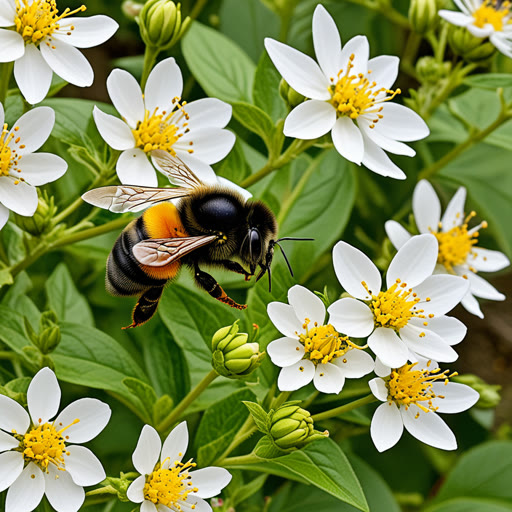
{"x": 160, "y": 23}
{"x": 120, "y": 485}
{"x": 42, "y": 220}
{"x": 490, "y": 395}
{"x": 223, "y": 336}
{"x": 49, "y": 333}
{"x": 423, "y": 15}
{"x": 290, "y": 96}
{"x": 430, "y": 71}
{"x": 469, "y": 47}
{"x": 131, "y": 9}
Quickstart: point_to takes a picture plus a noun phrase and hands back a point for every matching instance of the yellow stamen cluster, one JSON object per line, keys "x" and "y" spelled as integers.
{"x": 156, "y": 131}
{"x": 492, "y": 13}
{"x": 38, "y": 19}
{"x": 408, "y": 385}
{"x": 170, "y": 486}
{"x": 9, "y": 156}
{"x": 455, "y": 245}
{"x": 354, "y": 95}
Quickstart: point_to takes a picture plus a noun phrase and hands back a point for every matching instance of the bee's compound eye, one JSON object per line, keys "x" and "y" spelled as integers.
{"x": 254, "y": 244}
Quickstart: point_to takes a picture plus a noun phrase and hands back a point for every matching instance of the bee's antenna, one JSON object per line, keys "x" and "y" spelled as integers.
{"x": 285, "y": 258}
{"x": 269, "y": 280}
{"x": 293, "y": 238}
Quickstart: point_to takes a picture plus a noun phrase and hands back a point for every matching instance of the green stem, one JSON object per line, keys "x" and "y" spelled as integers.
{"x": 386, "y": 10}
{"x": 245, "y": 432}
{"x": 410, "y": 51}
{"x": 108, "y": 489}
{"x": 280, "y": 399}
{"x": 242, "y": 460}
{"x": 5, "y": 75}
{"x": 5, "y": 354}
{"x": 344, "y": 408}
{"x": 176, "y": 413}
{"x": 196, "y": 10}
{"x": 441, "y": 43}
{"x": 150, "y": 55}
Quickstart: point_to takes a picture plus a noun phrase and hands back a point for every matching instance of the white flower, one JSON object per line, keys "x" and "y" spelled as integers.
{"x": 36, "y": 456}
{"x": 409, "y": 316}
{"x": 413, "y": 395}
{"x": 312, "y": 350}
{"x": 43, "y": 41}
{"x": 484, "y": 18}
{"x": 21, "y": 170}
{"x": 159, "y": 120}
{"x": 349, "y": 97}
{"x": 458, "y": 253}
{"x": 166, "y": 483}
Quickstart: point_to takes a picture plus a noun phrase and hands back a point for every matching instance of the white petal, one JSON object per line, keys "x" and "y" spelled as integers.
{"x": 165, "y": 83}
{"x": 414, "y": 262}
{"x": 397, "y": 233}
{"x": 284, "y": 318}
{"x": 377, "y": 161}
{"x": 209, "y": 144}
{"x": 485, "y": 260}
{"x": 457, "y": 397}
{"x": 194, "y": 504}
{"x": 351, "y": 317}
{"x": 20, "y": 197}
{"x": 384, "y": 70}
{"x": 147, "y": 452}
{"x": 246, "y": 195}
{"x": 126, "y": 95}
{"x": 310, "y": 120}
{"x": 471, "y": 304}
{"x": 355, "y": 364}
{"x": 43, "y": 396}
{"x": 202, "y": 170}
{"x": 41, "y": 168}
{"x": 348, "y": 140}
{"x": 208, "y": 113}
{"x": 456, "y": 18}
{"x": 285, "y": 351}
{"x": 62, "y": 493}
{"x": 11, "y": 466}
{"x": 381, "y": 369}
{"x": 83, "y": 466}
{"x": 210, "y": 481}
{"x": 4, "y": 215}
{"x": 454, "y": 213}
{"x": 326, "y": 40}
{"x": 353, "y": 267}
{"x": 7, "y": 442}
{"x": 481, "y": 32}
{"x": 306, "y": 305}
{"x": 68, "y": 62}
{"x": 93, "y": 416}
{"x": 383, "y": 141}
{"x": 12, "y": 45}
{"x": 27, "y": 491}
{"x": 428, "y": 427}
{"x": 502, "y": 44}
{"x": 449, "y": 329}
{"x": 148, "y": 506}
{"x": 134, "y": 168}
{"x": 388, "y": 347}
{"x": 32, "y": 129}
{"x": 430, "y": 346}
{"x": 386, "y": 427}
{"x": 33, "y": 75}
{"x": 379, "y": 389}
{"x": 426, "y": 207}
{"x": 176, "y": 443}
{"x": 296, "y": 376}
{"x": 401, "y": 123}
{"x": 85, "y": 32}
{"x": 7, "y": 13}
{"x": 301, "y": 72}
{"x": 14, "y": 417}
{"x": 481, "y": 288}
{"x": 135, "y": 492}
{"x": 360, "y": 48}
{"x": 328, "y": 378}
{"x": 115, "y": 132}
{"x": 443, "y": 290}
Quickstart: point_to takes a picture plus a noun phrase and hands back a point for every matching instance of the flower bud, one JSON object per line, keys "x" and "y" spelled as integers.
{"x": 160, "y": 23}
{"x": 49, "y": 333}
{"x": 430, "y": 71}
{"x": 290, "y": 96}
{"x": 423, "y": 15}
{"x": 469, "y": 47}
{"x": 42, "y": 220}
{"x": 490, "y": 395}
{"x": 120, "y": 485}
{"x": 131, "y": 9}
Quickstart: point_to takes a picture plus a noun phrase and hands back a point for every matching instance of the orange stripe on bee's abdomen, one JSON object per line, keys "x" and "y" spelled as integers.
{"x": 163, "y": 221}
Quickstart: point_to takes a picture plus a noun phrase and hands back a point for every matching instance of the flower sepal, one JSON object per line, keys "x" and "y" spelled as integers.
{"x": 423, "y": 15}
{"x": 290, "y": 96}
{"x": 119, "y": 485}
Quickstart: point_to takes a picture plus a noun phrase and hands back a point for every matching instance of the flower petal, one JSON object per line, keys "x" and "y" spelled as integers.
{"x": 384, "y": 70}
{"x": 83, "y": 466}
{"x": 12, "y": 45}
{"x": 202, "y": 170}
{"x": 353, "y": 267}
{"x": 482, "y": 32}
{"x": 210, "y": 481}
{"x": 351, "y": 317}
{"x": 285, "y": 351}
{"x": 397, "y": 233}
{"x": 85, "y": 32}
{"x": 383, "y": 141}
{"x": 381, "y": 369}
{"x": 456, "y": 397}
{"x": 284, "y": 318}
{"x": 176, "y": 443}
{"x": 387, "y": 427}
{"x": 4, "y": 215}
{"x": 32, "y": 130}
{"x": 7, "y": 14}
{"x": 148, "y": 506}
{"x": 306, "y": 305}
{"x": 355, "y": 364}
{"x": 426, "y": 207}
{"x": 454, "y": 213}
{"x": 209, "y": 144}
{"x": 194, "y": 504}
{"x": 440, "y": 293}
{"x": 401, "y": 123}
{"x": 62, "y": 493}
{"x": 208, "y": 113}
{"x": 126, "y": 95}
{"x": 327, "y": 43}
{"x": 388, "y": 347}
{"x": 165, "y": 83}
{"x": 471, "y": 304}
{"x": 18, "y": 196}
{"x": 310, "y": 120}
{"x": 449, "y": 329}
{"x": 481, "y": 288}
{"x": 428, "y": 427}
{"x": 296, "y": 376}
{"x": 360, "y": 48}
{"x": 427, "y": 344}
{"x": 348, "y": 140}
{"x": 456, "y": 18}
{"x": 135, "y": 492}
{"x": 11, "y": 466}
{"x": 134, "y": 168}
{"x": 14, "y": 417}
{"x": 68, "y": 62}
{"x": 147, "y": 451}
{"x": 43, "y": 396}
{"x": 33, "y": 75}
{"x": 485, "y": 260}
{"x": 301, "y": 72}
{"x": 379, "y": 389}
{"x": 328, "y": 378}
{"x": 115, "y": 132}
{"x": 27, "y": 491}
{"x": 7, "y": 442}
{"x": 246, "y": 195}
{"x": 377, "y": 161}
{"x": 414, "y": 262}
{"x": 42, "y": 168}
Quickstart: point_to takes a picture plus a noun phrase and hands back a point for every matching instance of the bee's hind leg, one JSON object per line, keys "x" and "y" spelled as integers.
{"x": 146, "y": 306}
{"x": 233, "y": 266}
{"x": 210, "y": 285}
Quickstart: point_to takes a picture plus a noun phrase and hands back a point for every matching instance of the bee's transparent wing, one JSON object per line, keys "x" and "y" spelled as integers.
{"x": 131, "y": 198}
{"x": 176, "y": 170}
{"x": 158, "y": 252}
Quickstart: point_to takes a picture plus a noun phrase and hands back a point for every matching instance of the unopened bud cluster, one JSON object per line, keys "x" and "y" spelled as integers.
{"x": 291, "y": 426}
{"x": 42, "y": 220}
{"x": 290, "y": 96}
{"x": 469, "y": 47}
{"x": 49, "y": 333}
{"x": 423, "y": 15}
{"x": 430, "y": 70}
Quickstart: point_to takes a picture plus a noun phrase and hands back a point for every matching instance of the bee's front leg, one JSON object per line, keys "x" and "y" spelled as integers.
{"x": 233, "y": 266}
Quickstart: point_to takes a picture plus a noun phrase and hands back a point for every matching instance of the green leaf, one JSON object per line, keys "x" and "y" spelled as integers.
{"x": 222, "y": 69}
{"x": 243, "y": 492}
{"x": 13, "y": 332}
{"x": 259, "y": 416}
{"x": 470, "y": 504}
{"x": 162, "y": 408}
{"x": 266, "y": 449}
{"x": 5, "y": 277}
{"x": 219, "y": 425}
{"x": 64, "y": 298}
{"x": 265, "y": 92}
{"x": 234, "y": 167}
{"x": 144, "y": 392}
{"x": 489, "y": 80}
{"x": 255, "y": 120}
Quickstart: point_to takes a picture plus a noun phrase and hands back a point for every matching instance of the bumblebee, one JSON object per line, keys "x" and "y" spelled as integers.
{"x": 207, "y": 225}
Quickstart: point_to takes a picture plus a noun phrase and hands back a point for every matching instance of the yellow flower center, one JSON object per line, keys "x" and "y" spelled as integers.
{"x": 455, "y": 245}
{"x": 396, "y": 306}
{"x": 156, "y": 131}
{"x": 492, "y": 13}
{"x": 354, "y": 95}
{"x": 9, "y": 157}
{"x": 407, "y": 385}
{"x": 39, "y": 19}
{"x": 170, "y": 486}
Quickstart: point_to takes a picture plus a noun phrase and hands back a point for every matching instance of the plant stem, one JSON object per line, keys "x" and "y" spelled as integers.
{"x": 386, "y": 10}
{"x": 175, "y": 414}
{"x": 150, "y": 55}
{"x": 242, "y": 460}
{"x": 5, "y": 75}
{"x": 108, "y": 489}
{"x": 280, "y": 399}
{"x": 245, "y": 432}
{"x": 5, "y": 354}
{"x": 344, "y": 408}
